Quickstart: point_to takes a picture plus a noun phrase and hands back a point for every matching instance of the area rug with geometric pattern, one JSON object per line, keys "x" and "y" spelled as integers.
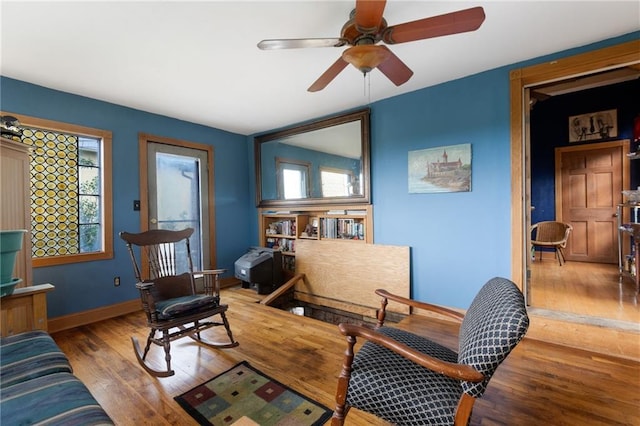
{"x": 244, "y": 396}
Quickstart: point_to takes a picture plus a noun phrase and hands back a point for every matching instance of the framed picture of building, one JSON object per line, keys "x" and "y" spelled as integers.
{"x": 441, "y": 169}
{"x": 593, "y": 126}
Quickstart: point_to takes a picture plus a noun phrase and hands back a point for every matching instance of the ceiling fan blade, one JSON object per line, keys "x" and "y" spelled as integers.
{"x": 369, "y": 15}
{"x": 436, "y": 26}
{"x": 296, "y": 43}
{"x": 395, "y": 70}
{"x": 328, "y": 75}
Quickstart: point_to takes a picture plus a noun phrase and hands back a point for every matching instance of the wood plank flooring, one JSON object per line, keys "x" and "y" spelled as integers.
{"x": 585, "y": 289}
{"x": 584, "y": 305}
{"x": 540, "y": 383}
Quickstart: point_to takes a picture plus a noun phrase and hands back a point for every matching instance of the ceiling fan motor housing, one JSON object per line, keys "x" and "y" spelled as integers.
{"x": 355, "y": 35}
{"x": 364, "y": 54}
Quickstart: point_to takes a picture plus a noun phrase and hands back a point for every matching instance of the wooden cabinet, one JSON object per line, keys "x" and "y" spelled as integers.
{"x": 24, "y": 310}
{"x": 629, "y": 243}
{"x": 345, "y": 223}
{"x": 15, "y": 211}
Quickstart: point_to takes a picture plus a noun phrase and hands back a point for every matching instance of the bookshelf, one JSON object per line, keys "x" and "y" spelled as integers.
{"x": 281, "y": 229}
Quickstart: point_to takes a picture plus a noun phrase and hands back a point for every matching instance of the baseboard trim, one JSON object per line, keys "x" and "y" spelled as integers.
{"x": 229, "y": 282}
{"x": 78, "y": 319}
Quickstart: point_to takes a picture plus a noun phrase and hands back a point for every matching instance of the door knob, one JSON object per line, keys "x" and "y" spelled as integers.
{"x": 154, "y": 221}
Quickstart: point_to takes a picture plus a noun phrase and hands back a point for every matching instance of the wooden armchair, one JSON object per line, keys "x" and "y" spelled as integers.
{"x": 174, "y": 305}
{"x": 407, "y": 379}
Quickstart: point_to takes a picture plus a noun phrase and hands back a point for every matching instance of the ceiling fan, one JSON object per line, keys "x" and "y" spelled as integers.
{"x": 366, "y": 28}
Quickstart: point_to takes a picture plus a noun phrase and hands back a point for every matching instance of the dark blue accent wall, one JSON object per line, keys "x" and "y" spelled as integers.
{"x": 88, "y": 285}
{"x": 550, "y": 129}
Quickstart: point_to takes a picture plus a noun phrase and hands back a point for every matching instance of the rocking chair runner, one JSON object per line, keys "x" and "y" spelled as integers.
{"x": 407, "y": 379}
{"x": 174, "y": 305}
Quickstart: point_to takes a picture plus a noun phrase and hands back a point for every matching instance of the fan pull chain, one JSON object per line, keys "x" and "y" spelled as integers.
{"x": 364, "y": 84}
{"x": 367, "y": 86}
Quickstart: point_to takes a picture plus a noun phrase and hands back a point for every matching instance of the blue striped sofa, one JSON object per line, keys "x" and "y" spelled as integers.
{"x": 37, "y": 385}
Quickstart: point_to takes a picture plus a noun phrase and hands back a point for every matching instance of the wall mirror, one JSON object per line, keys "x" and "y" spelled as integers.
{"x": 322, "y": 162}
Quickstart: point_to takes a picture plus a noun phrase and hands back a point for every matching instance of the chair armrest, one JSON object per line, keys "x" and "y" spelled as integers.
{"x": 211, "y": 271}
{"x": 547, "y": 243}
{"x": 415, "y": 304}
{"x": 147, "y": 285}
{"x": 147, "y": 299}
{"x": 453, "y": 370}
{"x": 210, "y": 280}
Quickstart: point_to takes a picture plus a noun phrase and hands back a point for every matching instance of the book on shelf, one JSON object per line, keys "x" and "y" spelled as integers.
{"x": 357, "y": 212}
{"x": 342, "y": 228}
{"x": 336, "y": 212}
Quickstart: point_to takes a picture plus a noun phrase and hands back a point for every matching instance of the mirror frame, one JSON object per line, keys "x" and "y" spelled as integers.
{"x": 365, "y": 139}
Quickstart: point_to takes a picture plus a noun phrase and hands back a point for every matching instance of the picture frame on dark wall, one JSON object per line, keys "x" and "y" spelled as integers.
{"x": 593, "y": 126}
{"x": 441, "y": 169}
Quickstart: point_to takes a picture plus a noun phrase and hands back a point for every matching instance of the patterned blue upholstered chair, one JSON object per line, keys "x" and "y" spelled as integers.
{"x": 177, "y": 301}
{"x": 407, "y": 379}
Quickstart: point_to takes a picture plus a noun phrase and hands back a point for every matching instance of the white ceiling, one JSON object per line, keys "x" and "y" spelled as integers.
{"x": 198, "y": 61}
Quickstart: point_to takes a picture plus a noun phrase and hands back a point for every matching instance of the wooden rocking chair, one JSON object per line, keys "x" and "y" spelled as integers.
{"x": 174, "y": 305}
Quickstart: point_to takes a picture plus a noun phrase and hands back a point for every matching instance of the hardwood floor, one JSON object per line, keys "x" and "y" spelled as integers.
{"x": 584, "y": 305}
{"x": 540, "y": 383}
{"x": 584, "y": 289}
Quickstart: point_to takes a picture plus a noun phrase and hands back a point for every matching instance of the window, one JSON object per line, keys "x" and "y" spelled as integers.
{"x": 336, "y": 182}
{"x": 89, "y": 174}
{"x": 70, "y": 192}
{"x": 293, "y": 179}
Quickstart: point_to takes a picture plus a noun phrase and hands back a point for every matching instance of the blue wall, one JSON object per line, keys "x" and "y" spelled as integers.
{"x": 458, "y": 240}
{"x": 89, "y": 285}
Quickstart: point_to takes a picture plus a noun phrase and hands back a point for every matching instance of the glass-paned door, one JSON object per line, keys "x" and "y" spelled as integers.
{"x": 178, "y": 195}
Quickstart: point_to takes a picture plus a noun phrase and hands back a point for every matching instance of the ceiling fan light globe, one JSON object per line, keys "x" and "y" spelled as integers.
{"x": 365, "y": 57}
